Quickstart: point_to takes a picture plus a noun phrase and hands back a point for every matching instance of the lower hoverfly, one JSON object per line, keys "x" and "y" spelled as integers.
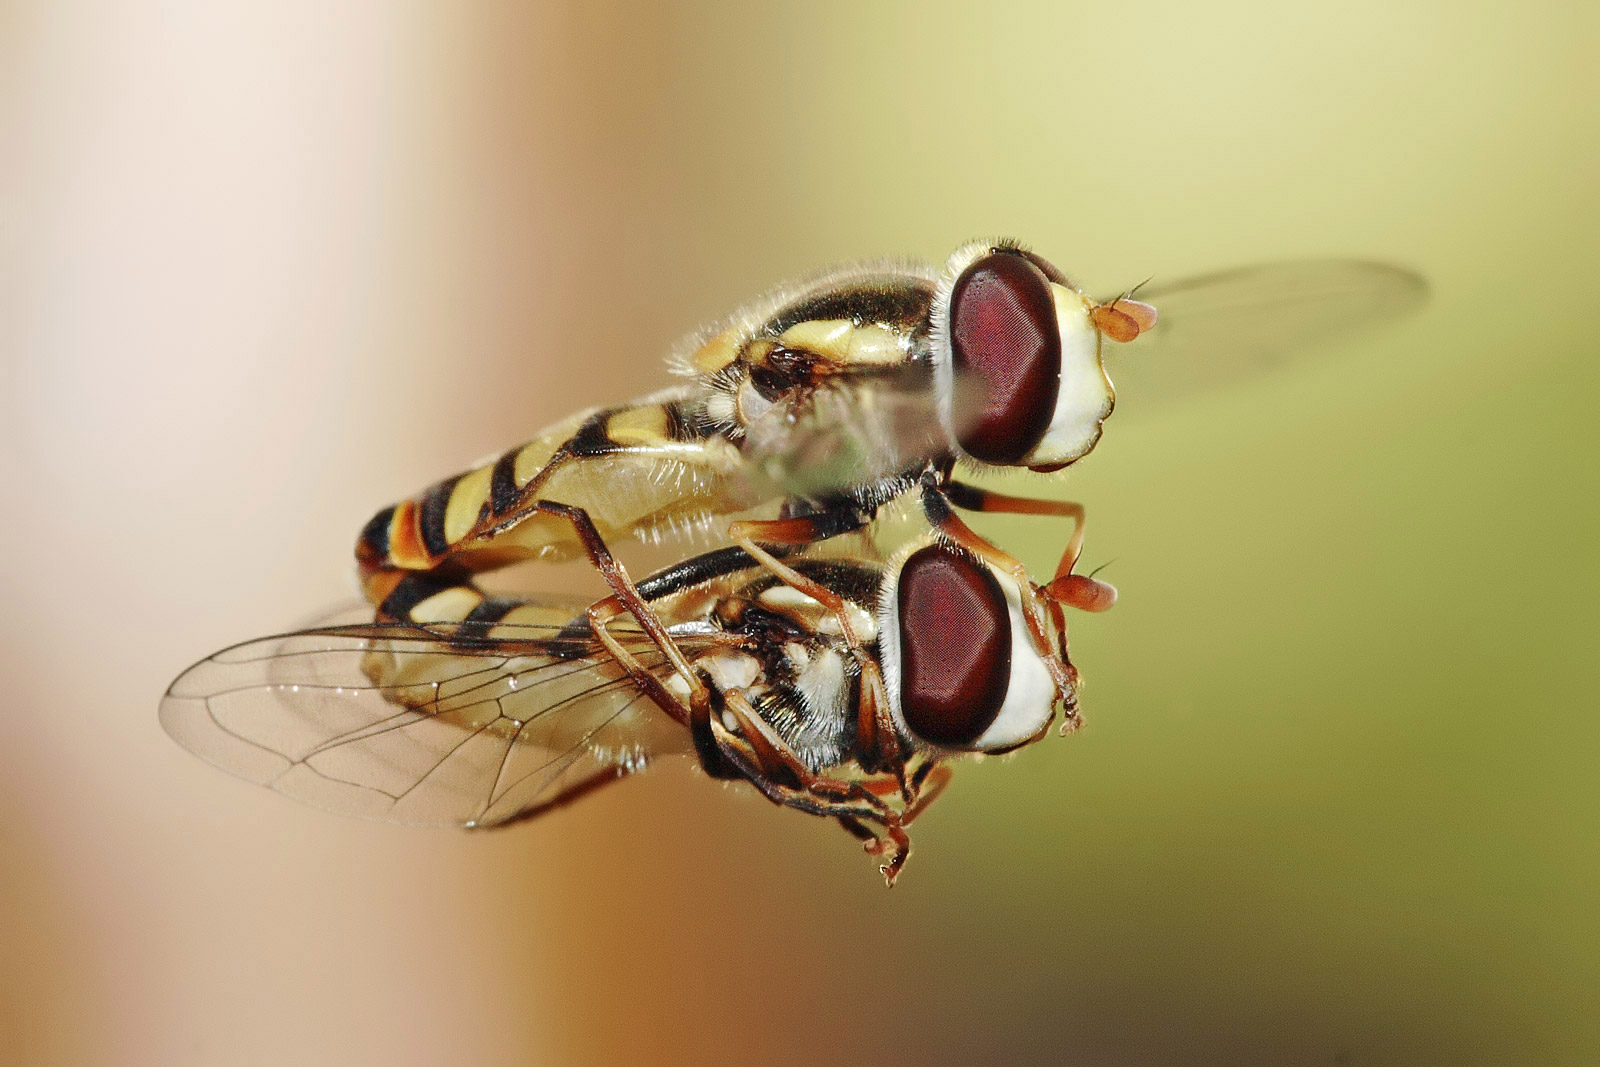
{"x": 836, "y": 686}
{"x": 803, "y": 416}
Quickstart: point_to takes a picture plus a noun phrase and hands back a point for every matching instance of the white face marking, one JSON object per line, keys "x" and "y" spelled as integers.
{"x": 1031, "y": 696}
{"x": 1086, "y": 395}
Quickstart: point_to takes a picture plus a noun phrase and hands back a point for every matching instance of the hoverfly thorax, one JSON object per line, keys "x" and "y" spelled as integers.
{"x": 1017, "y": 355}
{"x": 962, "y": 671}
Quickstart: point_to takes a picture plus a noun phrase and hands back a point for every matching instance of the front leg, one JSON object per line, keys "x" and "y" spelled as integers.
{"x": 1041, "y": 610}
{"x": 782, "y": 777}
{"x": 1075, "y": 590}
{"x": 877, "y": 744}
{"x": 694, "y": 711}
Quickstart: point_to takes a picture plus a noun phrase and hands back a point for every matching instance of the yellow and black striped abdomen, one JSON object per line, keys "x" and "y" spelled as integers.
{"x": 640, "y": 470}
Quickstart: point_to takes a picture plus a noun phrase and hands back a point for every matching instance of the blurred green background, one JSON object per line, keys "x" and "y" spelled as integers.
{"x": 274, "y": 267}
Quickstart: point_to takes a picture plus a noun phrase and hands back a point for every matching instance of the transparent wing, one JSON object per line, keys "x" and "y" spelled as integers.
{"x": 444, "y": 725}
{"x": 855, "y": 429}
{"x": 1219, "y": 327}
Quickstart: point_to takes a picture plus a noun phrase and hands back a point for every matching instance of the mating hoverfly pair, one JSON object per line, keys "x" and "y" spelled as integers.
{"x": 837, "y": 677}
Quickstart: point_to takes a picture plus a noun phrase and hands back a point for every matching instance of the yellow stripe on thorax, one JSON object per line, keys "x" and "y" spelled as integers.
{"x": 842, "y": 341}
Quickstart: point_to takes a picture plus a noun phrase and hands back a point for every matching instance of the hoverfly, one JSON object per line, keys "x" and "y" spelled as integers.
{"x": 839, "y": 687}
{"x": 827, "y": 399}
{"x": 803, "y": 416}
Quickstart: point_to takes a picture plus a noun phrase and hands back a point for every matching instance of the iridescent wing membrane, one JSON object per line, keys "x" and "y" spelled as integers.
{"x": 441, "y": 725}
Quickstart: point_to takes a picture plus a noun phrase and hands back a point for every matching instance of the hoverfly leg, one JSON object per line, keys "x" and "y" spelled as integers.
{"x": 603, "y": 777}
{"x": 624, "y": 596}
{"x": 1039, "y": 611}
{"x": 877, "y": 844}
{"x": 971, "y": 498}
{"x": 875, "y": 729}
{"x": 869, "y": 838}
{"x": 874, "y": 843}
{"x": 929, "y": 781}
{"x": 774, "y": 760}
{"x": 930, "y": 784}
{"x": 902, "y": 852}
{"x": 779, "y": 763}
{"x": 894, "y": 841}
{"x": 877, "y": 743}
{"x": 600, "y": 614}
{"x": 785, "y": 779}
{"x": 1074, "y": 590}
{"x": 625, "y": 599}
{"x": 749, "y": 534}
{"x": 695, "y": 714}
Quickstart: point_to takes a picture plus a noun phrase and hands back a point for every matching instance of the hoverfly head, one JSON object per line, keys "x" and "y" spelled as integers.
{"x": 1017, "y": 354}
{"x": 961, "y": 669}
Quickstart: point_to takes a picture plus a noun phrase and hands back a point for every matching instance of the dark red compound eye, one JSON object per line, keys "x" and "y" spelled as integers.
{"x": 955, "y": 647}
{"x": 1004, "y": 340}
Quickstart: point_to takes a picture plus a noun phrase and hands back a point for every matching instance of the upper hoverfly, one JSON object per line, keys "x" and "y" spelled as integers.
{"x": 804, "y": 414}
